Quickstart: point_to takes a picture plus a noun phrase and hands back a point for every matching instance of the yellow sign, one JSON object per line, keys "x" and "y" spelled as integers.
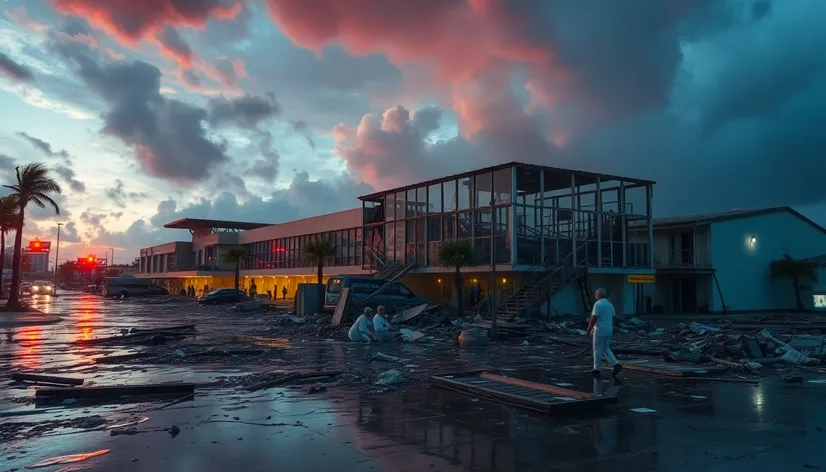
{"x": 640, "y": 279}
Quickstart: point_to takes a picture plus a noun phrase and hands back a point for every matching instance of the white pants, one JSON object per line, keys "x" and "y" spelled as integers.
{"x": 359, "y": 337}
{"x": 602, "y": 348}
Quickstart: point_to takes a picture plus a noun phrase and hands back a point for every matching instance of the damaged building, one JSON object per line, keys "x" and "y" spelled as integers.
{"x": 555, "y": 234}
{"x": 552, "y": 234}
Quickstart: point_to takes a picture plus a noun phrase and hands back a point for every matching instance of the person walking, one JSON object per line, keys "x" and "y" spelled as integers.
{"x": 602, "y": 324}
{"x": 284, "y": 292}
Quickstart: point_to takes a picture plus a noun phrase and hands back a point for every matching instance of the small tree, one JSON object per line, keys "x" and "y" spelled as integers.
{"x": 235, "y": 256}
{"x": 8, "y": 222}
{"x": 795, "y": 270}
{"x": 457, "y": 254}
{"x": 33, "y": 186}
{"x": 320, "y": 252}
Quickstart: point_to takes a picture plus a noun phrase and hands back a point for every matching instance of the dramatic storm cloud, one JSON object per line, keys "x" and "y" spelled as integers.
{"x": 14, "y": 70}
{"x": 276, "y": 109}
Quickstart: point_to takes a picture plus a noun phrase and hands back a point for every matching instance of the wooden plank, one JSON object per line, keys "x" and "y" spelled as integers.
{"x": 670, "y": 370}
{"x": 48, "y": 379}
{"x": 291, "y": 377}
{"x": 115, "y": 391}
{"x": 341, "y": 308}
{"x": 545, "y": 405}
{"x": 190, "y": 327}
{"x": 409, "y": 314}
{"x": 558, "y": 391}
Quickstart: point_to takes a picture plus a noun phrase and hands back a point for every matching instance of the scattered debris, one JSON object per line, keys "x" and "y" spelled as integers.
{"x": 46, "y": 379}
{"x": 315, "y": 388}
{"x": 380, "y": 356}
{"x": 409, "y": 314}
{"x": 410, "y": 336}
{"x": 473, "y": 337}
{"x": 523, "y": 393}
{"x": 112, "y": 392}
{"x": 390, "y": 377}
{"x": 292, "y": 377}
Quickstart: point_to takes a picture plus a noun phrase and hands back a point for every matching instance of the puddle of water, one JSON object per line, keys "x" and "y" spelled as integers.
{"x": 67, "y": 459}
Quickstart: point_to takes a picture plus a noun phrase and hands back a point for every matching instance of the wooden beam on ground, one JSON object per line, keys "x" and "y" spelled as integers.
{"x": 292, "y": 377}
{"x": 562, "y": 392}
{"x": 190, "y": 327}
{"x": 114, "y": 392}
{"x": 341, "y": 308}
{"x": 46, "y": 379}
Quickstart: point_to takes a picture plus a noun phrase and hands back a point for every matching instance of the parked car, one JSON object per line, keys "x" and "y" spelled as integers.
{"x": 130, "y": 287}
{"x": 361, "y": 287}
{"x": 223, "y": 295}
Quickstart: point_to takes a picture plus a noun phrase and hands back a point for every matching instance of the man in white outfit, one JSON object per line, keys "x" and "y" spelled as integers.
{"x": 360, "y": 331}
{"x": 602, "y": 322}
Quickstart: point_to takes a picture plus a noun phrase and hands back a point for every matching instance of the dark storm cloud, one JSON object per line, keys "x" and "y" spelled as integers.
{"x": 14, "y": 70}
{"x": 120, "y": 196}
{"x": 168, "y": 136}
{"x": 7, "y": 162}
{"x": 68, "y": 175}
{"x": 173, "y": 44}
{"x": 244, "y": 112}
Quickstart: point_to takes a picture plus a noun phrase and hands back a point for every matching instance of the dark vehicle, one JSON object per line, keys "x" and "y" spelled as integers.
{"x": 130, "y": 287}
{"x": 361, "y": 287}
{"x": 223, "y": 295}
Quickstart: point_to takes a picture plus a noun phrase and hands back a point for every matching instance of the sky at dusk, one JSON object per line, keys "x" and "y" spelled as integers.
{"x": 271, "y": 110}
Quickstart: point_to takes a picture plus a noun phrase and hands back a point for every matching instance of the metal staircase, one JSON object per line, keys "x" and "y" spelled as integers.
{"x": 545, "y": 282}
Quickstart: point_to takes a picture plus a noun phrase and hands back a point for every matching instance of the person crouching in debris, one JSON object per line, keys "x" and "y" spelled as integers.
{"x": 602, "y": 323}
{"x": 360, "y": 332}
{"x": 380, "y": 325}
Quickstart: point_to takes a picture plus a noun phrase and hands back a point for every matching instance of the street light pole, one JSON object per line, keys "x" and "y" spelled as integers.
{"x": 56, "y": 259}
{"x": 112, "y": 260}
{"x": 494, "y": 330}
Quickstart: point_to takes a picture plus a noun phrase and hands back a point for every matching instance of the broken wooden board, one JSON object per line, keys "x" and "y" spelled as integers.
{"x": 409, "y": 314}
{"x": 341, "y": 308}
{"x": 46, "y": 379}
{"x": 190, "y": 327}
{"x": 670, "y": 369}
{"x": 523, "y": 393}
{"x": 113, "y": 392}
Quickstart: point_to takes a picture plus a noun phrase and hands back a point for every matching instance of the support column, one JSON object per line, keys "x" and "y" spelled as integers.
{"x": 512, "y": 223}
{"x": 427, "y": 224}
{"x": 574, "y": 215}
{"x": 623, "y": 225}
{"x": 649, "y": 196}
{"x": 598, "y": 216}
{"x": 542, "y": 217}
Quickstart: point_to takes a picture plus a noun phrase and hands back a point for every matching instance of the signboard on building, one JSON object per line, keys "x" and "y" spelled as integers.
{"x": 640, "y": 279}
{"x": 38, "y": 246}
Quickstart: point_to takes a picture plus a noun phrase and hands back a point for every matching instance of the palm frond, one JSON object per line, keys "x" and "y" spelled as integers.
{"x": 457, "y": 253}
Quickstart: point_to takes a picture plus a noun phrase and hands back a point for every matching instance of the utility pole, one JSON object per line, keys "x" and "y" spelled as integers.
{"x": 494, "y": 330}
{"x": 56, "y": 259}
{"x": 112, "y": 260}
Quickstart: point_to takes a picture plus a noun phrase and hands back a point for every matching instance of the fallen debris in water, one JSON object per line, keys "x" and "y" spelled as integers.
{"x": 113, "y": 392}
{"x": 292, "y": 377}
{"x": 46, "y": 379}
{"x": 390, "y": 377}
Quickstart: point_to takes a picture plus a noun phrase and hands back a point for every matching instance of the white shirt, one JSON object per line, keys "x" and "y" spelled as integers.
{"x": 604, "y": 313}
{"x": 380, "y": 324}
{"x": 359, "y": 328}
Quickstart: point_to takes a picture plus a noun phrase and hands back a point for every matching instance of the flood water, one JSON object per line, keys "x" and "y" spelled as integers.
{"x": 658, "y": 425}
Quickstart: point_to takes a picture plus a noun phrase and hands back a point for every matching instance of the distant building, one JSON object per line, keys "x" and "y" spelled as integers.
{"x": 706, "y": 262}
{"x": 37, "y": 263}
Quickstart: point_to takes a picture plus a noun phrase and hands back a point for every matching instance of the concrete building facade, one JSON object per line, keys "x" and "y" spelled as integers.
{"x": 543, "y": 228}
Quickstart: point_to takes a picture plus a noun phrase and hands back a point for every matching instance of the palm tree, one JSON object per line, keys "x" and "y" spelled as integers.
{"x": 319, "y": 252}
{"x": 8, "y": 222}
{"x": 33, "y": 186}
{"x": 235, "y": 256}
{"x": 457, "y": 254}
{"x": 795, "y": 270}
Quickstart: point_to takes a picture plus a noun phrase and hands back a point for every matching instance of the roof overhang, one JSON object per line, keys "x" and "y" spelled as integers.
{"x": 196, "y": 224}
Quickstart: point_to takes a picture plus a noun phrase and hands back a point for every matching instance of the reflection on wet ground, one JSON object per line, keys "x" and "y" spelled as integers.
{"x": 659, "y": 424}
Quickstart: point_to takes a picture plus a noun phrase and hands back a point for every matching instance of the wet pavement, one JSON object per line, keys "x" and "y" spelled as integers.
{"x": 659, "y": 424}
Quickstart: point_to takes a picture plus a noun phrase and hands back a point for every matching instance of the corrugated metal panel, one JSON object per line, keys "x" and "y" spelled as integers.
{"x": 317, "y": 224}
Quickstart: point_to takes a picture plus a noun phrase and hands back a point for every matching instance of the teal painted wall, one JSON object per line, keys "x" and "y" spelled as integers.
{"x": 743, "y": 269}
